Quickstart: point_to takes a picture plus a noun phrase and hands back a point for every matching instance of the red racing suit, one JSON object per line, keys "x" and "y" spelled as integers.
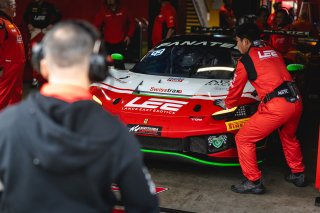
{"x": 267, "y": 72}
{"x": 116, "y": 25}
{"x": 12, "y": 61}
{"x": 165, "y": 19}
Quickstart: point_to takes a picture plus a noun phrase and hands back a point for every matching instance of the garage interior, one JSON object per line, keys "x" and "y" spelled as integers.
{"x": 193, "y": 187}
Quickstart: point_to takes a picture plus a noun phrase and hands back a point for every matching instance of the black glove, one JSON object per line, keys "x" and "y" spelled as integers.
{"x": 220, "y": 103}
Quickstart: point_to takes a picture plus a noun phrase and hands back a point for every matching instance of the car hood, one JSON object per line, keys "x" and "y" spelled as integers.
{"x": 124, "y": 81}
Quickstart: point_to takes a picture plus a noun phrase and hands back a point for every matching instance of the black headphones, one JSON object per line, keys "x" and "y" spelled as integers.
{"x": 98, "y": 70}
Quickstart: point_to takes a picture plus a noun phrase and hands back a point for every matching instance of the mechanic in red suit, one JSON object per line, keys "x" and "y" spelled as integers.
{"x": 280, "y": 108}
{"x": 165, "y": 23}
{"x": 12, "y": 56}
{"x": 117, "y": 26}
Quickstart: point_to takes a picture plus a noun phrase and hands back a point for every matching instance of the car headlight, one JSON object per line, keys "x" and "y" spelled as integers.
{"x": 242, "y": 111}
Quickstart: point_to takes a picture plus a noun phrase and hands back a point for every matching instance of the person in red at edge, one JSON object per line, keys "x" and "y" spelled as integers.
{"x": 280, "y": 108}
{"x": 165, "y": 23}
{"x": 12, "y": 56}
{"x": 117, "y": 26}
{"x": 67, "y": 150}
{"x": 227, "y": 18}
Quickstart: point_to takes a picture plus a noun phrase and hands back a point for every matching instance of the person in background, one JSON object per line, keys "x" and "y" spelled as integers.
{"x": 292, "y": 14}
{"x": 281, "y": 43}
{"x": 60, "y": 151}
{"x": 280, "y": 109}
{"x": 271, "y": 19}
{"x": 12, "y": 56}
{"x": 262, "y": 18}
{"x": 262, "y": 23}
{"x": 165, "y": 23}
{"x": 226, "y": 14}
{"x": 117, "y": 26}
{"x": 40, "y": 16}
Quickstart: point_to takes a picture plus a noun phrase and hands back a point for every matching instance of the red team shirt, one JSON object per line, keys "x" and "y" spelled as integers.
{"x": 166, "y": 16}
{"x": 116, "y": 25}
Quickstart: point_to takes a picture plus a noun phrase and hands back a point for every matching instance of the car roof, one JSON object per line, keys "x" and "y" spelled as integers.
{"x": 202, "y": 37}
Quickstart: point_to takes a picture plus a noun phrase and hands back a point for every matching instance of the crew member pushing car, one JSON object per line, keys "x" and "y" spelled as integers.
{"x": 12, "y": 56}
{"x": 280, "y": 108}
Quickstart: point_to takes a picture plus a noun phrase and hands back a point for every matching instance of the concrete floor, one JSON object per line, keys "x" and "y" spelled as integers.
{"x": 195, "y": 188}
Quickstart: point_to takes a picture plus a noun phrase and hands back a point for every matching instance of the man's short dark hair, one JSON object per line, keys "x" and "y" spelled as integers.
{"x": 69, "y": 42}
{"x": 249, "y": 31}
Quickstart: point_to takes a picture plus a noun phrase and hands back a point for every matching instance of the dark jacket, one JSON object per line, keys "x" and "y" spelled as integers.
{"x": 63, "y": 157}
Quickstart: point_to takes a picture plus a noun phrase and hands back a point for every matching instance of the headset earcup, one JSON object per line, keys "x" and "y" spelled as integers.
{"x": 98, "y": 70}
{"x": 37, "y": 56}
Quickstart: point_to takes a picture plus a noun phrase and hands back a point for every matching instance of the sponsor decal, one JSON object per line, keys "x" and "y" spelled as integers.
{"x": 19, "y": 39}
{"x": 155, "y": 89}
{"x": 198, "y": 43}
{"x": 223, "y": 83}
{"x": 267, "y": 54}
{"x": 283, "y": 92}
{"x": 39, "y": 18}
{"x": 175, "y": 79}
{"x": 145, "y": 130}
{"x": 236, "y": 124}
{"x": 217, "y": 141}
{"x": 154, "y": 105}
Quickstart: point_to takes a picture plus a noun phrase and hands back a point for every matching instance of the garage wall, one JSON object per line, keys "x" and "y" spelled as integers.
{"x": 85, "y": 9}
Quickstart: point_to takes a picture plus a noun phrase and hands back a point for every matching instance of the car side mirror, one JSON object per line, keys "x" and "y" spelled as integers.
{"x": 294, "y": 68}
{"x": 118, "y": 61}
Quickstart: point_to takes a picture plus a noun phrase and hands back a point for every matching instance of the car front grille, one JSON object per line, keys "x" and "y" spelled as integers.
{"x": 168, "y": 144}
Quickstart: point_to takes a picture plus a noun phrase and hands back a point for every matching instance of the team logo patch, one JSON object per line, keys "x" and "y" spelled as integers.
{"x": 267, "y": 54}
{"x": 237, "y": 124}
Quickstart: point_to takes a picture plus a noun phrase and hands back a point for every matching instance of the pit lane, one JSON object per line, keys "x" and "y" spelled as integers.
{"x": 199, "y": 188}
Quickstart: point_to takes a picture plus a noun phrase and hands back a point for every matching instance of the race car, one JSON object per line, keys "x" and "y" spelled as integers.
{"x": 169, "y": 99}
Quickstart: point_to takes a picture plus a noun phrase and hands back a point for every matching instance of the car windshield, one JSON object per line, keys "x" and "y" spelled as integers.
{"x": 189, "y": 61}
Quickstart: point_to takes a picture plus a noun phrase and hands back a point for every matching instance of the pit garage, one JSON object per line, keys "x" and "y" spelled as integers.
{"x": 166, "y": 95}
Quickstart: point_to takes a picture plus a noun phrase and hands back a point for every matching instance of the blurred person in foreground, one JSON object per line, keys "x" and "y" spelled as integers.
{"x": 280, "y": 109}
{"x": 60, "y": 151}
{"x": 12, "y": 56}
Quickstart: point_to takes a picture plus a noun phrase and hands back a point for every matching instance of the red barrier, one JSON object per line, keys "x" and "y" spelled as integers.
{"x": 318, "y": 165}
